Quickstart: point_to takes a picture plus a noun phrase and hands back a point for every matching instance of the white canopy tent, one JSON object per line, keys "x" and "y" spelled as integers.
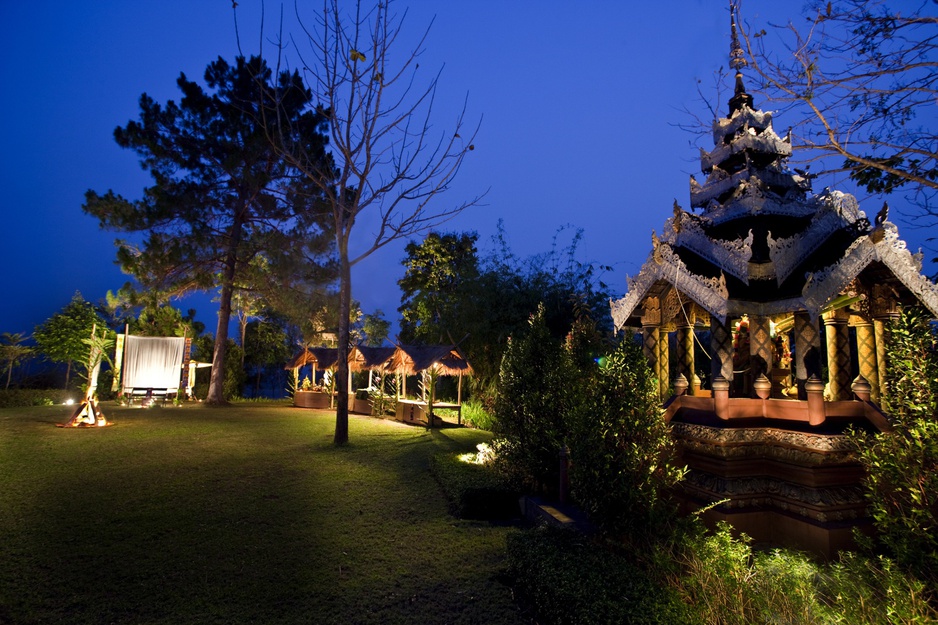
{"x": 152, "y": 364}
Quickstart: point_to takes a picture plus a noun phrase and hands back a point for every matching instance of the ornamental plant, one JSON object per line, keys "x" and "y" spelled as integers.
{"x": 537, "y": 391}
{"x": 624, "y": 459}
{"x": 902, "y": 465}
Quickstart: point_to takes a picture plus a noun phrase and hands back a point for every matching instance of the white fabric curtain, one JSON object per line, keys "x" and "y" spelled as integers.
{"x": 153, "y": 362}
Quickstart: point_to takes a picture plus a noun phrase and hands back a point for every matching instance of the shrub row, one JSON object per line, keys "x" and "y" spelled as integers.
{"x": 21, "y": 397}
{"x": 474, "y": 491}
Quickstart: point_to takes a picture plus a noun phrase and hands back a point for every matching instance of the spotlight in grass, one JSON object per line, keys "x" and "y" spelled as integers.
{"x": 69, "y": 402}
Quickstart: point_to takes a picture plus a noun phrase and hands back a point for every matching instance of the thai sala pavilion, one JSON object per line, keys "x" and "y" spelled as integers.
{"x": 790, "y": 295}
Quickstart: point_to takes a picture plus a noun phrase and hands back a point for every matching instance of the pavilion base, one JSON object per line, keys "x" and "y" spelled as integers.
{"x": 783, "y": 484}
{"x": 775, "y": 528}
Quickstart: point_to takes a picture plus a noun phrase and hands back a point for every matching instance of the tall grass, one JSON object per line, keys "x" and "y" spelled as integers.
{"x": 729, "y": 583}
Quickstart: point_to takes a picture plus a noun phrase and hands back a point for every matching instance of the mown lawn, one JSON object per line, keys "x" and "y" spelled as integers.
{"x": 243, "y": 514}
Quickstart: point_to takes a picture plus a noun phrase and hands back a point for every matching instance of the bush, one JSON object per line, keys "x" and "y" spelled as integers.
{"x": 537, "y": 389}
{"x": 623, "y": 469}
{"x": 902, "y": 465}
{"x": 475, "y": 414}
{"x": 565, "y": 579}
{"x": 728, "y": 584}
{"x": 22, "y": 397}
{"x": 475, "y": 491}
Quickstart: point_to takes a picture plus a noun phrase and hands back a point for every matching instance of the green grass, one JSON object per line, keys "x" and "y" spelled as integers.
{"x": 243, "y": 514}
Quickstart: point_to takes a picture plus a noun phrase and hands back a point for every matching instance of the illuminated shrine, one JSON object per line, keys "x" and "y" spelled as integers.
{"x": 763, "y": 312}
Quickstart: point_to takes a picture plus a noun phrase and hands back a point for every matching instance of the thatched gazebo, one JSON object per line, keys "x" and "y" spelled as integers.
{"x": 430, "y": 361}
{"x": 324, "y": 358}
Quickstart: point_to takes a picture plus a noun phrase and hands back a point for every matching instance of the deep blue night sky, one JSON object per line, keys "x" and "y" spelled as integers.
{"x": 580, "y": 114}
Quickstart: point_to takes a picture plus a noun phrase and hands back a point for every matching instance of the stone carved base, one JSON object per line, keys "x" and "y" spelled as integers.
{"x": 797, "y": 489}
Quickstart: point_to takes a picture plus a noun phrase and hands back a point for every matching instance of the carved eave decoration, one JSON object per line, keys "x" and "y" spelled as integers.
{"x": 840, "y": 210}
{"x": 767, "y": 143}
{"x": 749, "y": 200}
{"x": 824, "y": 285}
{"x": 745, "y": 117}
{"x": 663, "y": 264}
{"x": 730, "y": 256}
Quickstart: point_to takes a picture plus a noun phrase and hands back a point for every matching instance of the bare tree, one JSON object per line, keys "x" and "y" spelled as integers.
{"x": 389, "y": 163}
{"x": 861, "y": 80}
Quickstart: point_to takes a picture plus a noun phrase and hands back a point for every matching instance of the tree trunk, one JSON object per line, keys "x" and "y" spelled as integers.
{"x": 216, "y": 386}
{"x": 342, "y": 372}
{"x": 68, "y": 372}
{"x": 243, "y": 324}
{"x": 9, "y": 375}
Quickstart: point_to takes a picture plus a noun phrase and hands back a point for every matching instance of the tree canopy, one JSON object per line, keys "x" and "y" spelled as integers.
{"x": 860, "y": 80}
{"x": 450, "y": 294}
{"x": 221, "y": 194}
{"x": 61, "y": 337}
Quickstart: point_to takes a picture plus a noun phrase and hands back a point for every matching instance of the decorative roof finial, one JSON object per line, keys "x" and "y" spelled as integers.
{"x": 737, "y": 56}
{"x": 737, "y": 62}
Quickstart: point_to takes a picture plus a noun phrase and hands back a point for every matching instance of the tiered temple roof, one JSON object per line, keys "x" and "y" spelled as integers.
{"x": 757, "y": 239}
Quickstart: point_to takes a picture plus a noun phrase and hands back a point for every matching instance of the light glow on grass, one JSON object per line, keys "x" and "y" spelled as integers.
{"x": 483, "y": 455}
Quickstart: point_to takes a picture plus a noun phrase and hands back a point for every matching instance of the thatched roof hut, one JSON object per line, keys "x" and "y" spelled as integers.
{"x": 365, "y": 358}
{"x": 446, "y": 359}
{"x": 321, "y": 357}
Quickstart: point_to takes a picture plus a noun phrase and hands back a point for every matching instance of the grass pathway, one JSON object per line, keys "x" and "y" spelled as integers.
{"x": 244, "y": 514}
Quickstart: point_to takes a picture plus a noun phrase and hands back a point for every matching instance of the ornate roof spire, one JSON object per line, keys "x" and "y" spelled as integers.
{"x": 737, "y": 62}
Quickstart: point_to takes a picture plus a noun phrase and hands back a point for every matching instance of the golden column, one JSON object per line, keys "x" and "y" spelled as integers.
{"x": 664, "y": 362}
{"x": 838, "y": 353}
{"x": 652, "y": 339}
{"x": 685, "y": 346}
{"x": 807, "y": 351}
{"x": 866, "y": 354}
{"x": 721, "y": 346}
{"x": 884, "y": 309}
{"x": 760, "y": 347}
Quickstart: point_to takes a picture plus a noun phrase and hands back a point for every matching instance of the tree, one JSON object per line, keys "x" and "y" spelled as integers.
{"x": 439, "y": 272}
{"x": 12, "y": 351}
{"x": 861, "y": 78}
{"x": 537, "y": 393}
{"x": 447, "y": 292}
{"x": 221, "y": 194}
{"x": 265, "y": 344}
{"x": 61, "y": 337}
{"x": 375, "y": 328}
{"x": 624, "y": 458}
{"x": 166, "y": 321}
{"x": 389, "y": 164}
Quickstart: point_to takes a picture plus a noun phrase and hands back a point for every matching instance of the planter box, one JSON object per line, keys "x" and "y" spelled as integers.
{"x": 310, "y": 399}
{"x": 361, "y": 406}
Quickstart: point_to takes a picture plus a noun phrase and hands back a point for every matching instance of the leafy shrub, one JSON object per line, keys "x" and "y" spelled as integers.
{"x": 902, "y": 465}
{"x": 566, "y": 578}
{"x": 22, "y": 397}
{"x": 623, "y": 455}
{"x": 537, "y": 388}
{"x": 475, "y": 414}
{"x": 911, "y": 366}
{"x": 475, "y": 491}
